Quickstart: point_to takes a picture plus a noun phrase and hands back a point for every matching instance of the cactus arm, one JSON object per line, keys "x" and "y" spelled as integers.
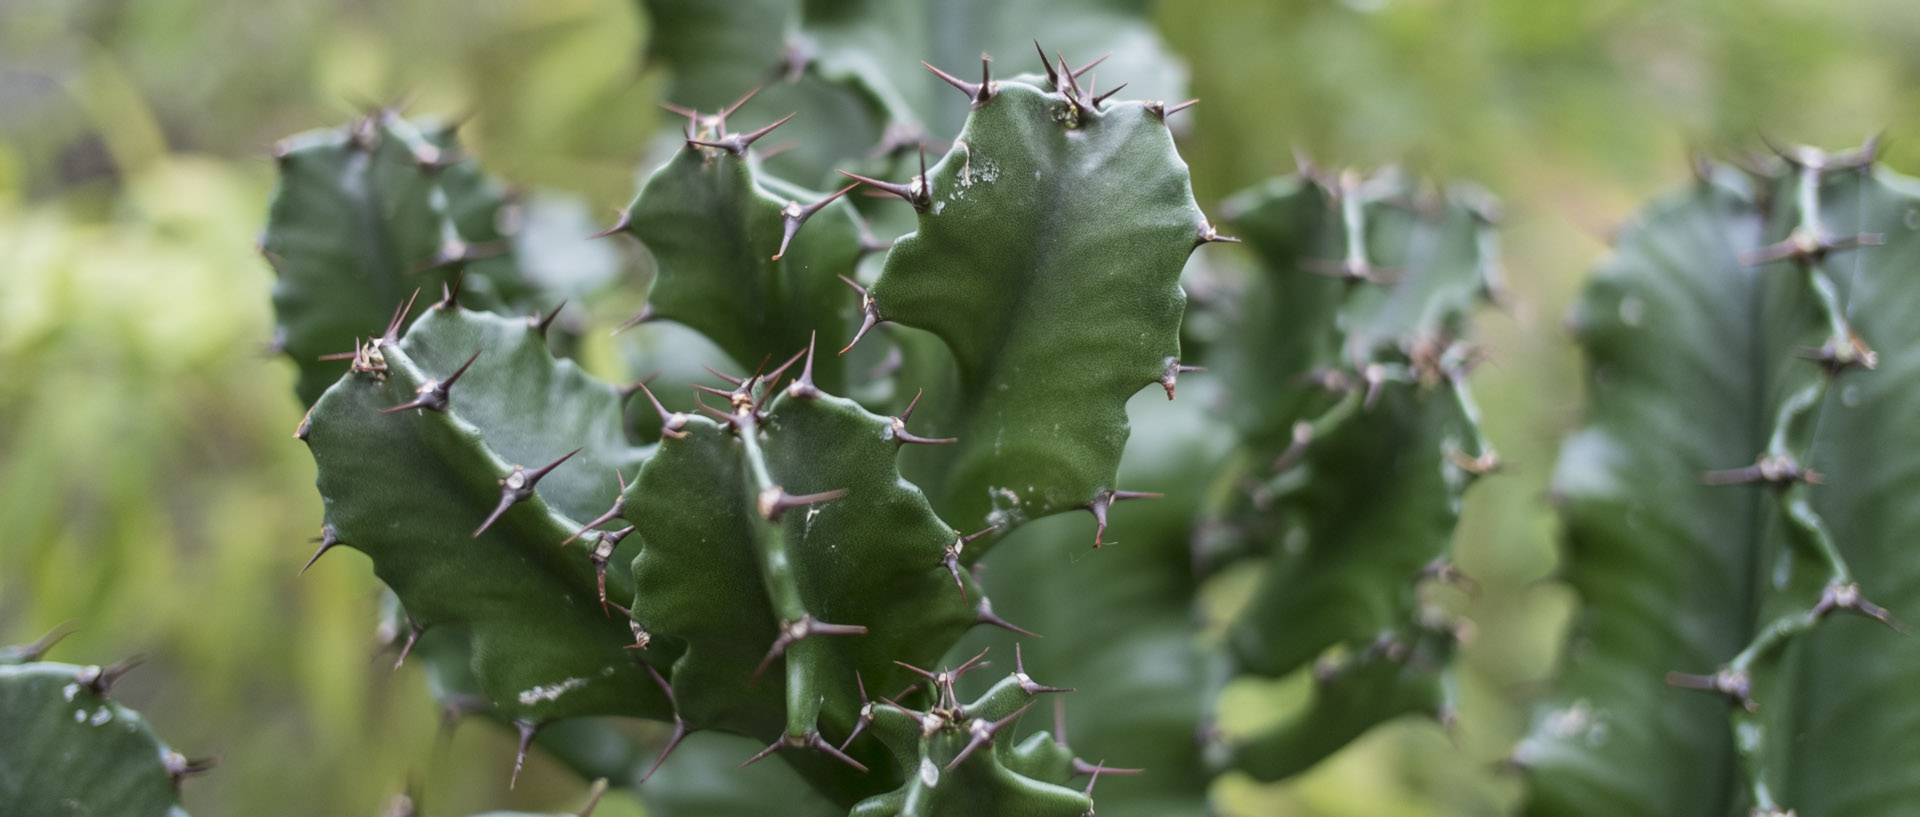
{"x": 423, "y": 492}
{"x": 750, "y": 261}
{"x": 1614, "y": 739}
{"x": 1047, "y": 258}
{"x": 69, "y": 749}
{"x": 361, "y": 218}
{"x": 782, "y": 544}
{"x": 1795, "y": 547}
{"x": 960, "y": 760}
{"x": 1397, "y": 675}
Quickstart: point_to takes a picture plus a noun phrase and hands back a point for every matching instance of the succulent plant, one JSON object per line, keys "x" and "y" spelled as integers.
{"x": 1732, "y": 507}
{"x": 799, "y": 561}
{"x": 72, "y": 750}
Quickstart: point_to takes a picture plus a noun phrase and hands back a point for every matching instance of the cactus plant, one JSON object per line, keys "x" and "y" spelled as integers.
{"x": 72, "y": 750}
{"x": 796, "y": 562}
{"x": 1750, "y": 348}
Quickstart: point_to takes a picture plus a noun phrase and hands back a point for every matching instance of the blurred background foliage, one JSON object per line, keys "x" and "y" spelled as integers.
{"x": 149, "y": 489}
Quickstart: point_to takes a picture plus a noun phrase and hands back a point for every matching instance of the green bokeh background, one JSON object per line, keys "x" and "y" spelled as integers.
{"x": 150, "y": 490}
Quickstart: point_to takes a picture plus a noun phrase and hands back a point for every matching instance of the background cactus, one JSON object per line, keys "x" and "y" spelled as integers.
{"x": 1750, "y": 351}
{"x": 71, "y": 750}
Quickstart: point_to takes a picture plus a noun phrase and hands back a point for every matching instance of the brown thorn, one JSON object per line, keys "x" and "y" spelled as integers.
{"x": 1169, "y": 110}
{"x": 866, "y": 712}
{"x": 1081, "y": 767}
{"x": 739, "y": 143}
{"x": 982, "y": 732}
{"x": 762, "y": 754}
{"x": 619, "y": 506}
{"x": 1090, "y": 66}
{"x": 413, "y": 637}
{"x": 775, "y": 501}
{"x": 725, "y": 112}
{"x": 517, "y": 486}
{"x": 793, "y": 631}
{"x": 435, "y": 394}
{"x": 1027, "y": 683}
{"x": 400, "y": 313}
{"x": 795, "y": 215}
{"x": 983, "y": 614}
{"x": 814, "y": 740}
{"x": 527, "y": 730}
{"x": 645, "y": 315}
{"x": 540, "y": 325}
{"x": 1171, "y": 375}
{"x": 1053, "y": 78}
{"x": 179, "y": 767}
{"x": 38, "y": 647}
{"x": 671, "y": 423}
{"x": 594, "y": 794}
{"x": 327, "y": 541}
{"x": 1847, "y": 596}
{"x": 1101, "y": 503}
{"x": 869, "y": 308}
{"x": 620, "y": 224}
{"x": 803, "y": 386}
{"x": 774, "y": 376}
{"x": 680, "y": 730}
{"x": 101, "y": 679}
{"x": 1098, "y": 100}
{"x": 1728, "y": 683}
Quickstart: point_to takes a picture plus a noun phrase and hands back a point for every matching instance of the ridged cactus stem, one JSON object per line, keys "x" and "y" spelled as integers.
{"x": 1790, "y": 444}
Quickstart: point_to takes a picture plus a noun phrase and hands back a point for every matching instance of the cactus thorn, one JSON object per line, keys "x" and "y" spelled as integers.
{"x": 433, "y": 395}
{"x": 869, "y": 308}
{"x": 450, "y": 292}
{"x": 1847, "y": 596}
{"x": 1734, "y": 685}
{"x": 602, "y": 553}
{"x": 517, "y": 486}
{"x": 1778, "y": 471}
{"x": 792, "y": 632}
{"x": 594, "y": 794}
{"x": 979, "y": 92}
{"x": 1026, "y": 681}
{"x": 1101, "y": 99}
{"x": 866, "y": 712}
{"x": 1171, "y": 374}
{"x": 179, "y": 767}
{"x": 671, "y": 422}
{"x": 950, "y": 556}
{"x": 1207, "y": 234}
{"x": 680, "y": 730}
{"x": 38, "y": 647}
{"x": 539, "y": 324}
{"x": 737, "y": 144}
{"x": 620, "y": 224}
{"x": 902, "y": 435}
{"x": 794, "y": 215}
{"x": 810, "y": 740}
{"x": 1808, "y": 246}
{"x": 774, "y": 500}
{"x": 641, "y": 638}
{"x": 980, "y": 732}
{"x": 1836, "y": 357}
{"x": 1053, "y": 77}
{"x": 983, "y": 614}
{"x": 414, "y": 629}
{"x": 400, "y": 313}
{"x": 918, "y": 191}
{"x": 774, "y": 376}
{"x": 1091, "y": 65}
{"x": 527, "y": 730}
{"x": 1105, "y": 500}
{"x": 101, "y": 679}
{"x": 646, "y": 314}
{"x": 619, "y": 507}
{"x": 1164, "y": 110}
{"x": 803, "y": 387}
{"x": 328, "y": 540}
